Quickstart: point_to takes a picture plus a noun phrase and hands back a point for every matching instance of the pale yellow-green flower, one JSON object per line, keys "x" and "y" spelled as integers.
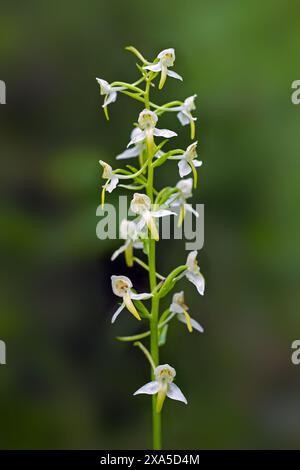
{"x": 163, "y": 386}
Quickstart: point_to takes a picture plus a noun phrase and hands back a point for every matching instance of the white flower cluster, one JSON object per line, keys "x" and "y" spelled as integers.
{"x": 136, "y": 233}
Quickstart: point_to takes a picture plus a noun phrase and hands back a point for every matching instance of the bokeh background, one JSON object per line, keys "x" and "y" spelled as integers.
{"x": 67, "y": 383}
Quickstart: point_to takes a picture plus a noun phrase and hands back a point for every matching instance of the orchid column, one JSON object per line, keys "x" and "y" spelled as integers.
{"x": 142, "y": 232}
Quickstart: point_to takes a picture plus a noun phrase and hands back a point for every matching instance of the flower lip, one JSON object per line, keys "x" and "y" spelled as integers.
{"x": 120, "y": 285}
{"x": 165, "y": 373}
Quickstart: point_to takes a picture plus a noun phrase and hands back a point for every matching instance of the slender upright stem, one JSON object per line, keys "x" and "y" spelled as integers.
{"x": 154, "y": 348}
{"x": 154, "y": 331}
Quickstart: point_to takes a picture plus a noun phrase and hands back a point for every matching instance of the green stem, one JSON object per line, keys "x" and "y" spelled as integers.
{"x": 154, "y": 332}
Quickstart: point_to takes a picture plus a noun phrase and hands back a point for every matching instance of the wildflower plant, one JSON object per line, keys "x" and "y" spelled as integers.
{"x": 148, "y": 204}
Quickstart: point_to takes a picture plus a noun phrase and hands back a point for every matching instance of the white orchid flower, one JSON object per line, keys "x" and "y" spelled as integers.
{"x": 185, "y": 113}
{"x": 113, "y": 178}
{"x": 166, "y": 59}
{"x": 179, "y": 199}
{"x": 193, "y": 273}
{"x": 147, "y": 121}
{"x": 137, "y": 149}
{"x": 178, "y": 306}
{"x": 163, "y": 386}
{"x": 121, "y": 286}
{"x": 129, "y": 232}
{"x": 188, "y": 162}
{"x": 185, "y": 110}
{"x": 134, "y": 151}
{"x": 110, "y": 92}
{"x": 141, "y": 205}
{"x": 110, "y": 176}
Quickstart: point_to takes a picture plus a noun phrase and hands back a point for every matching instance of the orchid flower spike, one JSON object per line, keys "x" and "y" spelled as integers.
{"x": 188, "y": 162}
{"x": 193, "y": 273}
{"x": 147, "y": 121}
{"x": 163, "y": 385}
{"x": 185, "y": 113}
{"x": 109, "y": 92}
{"x": 121, "y": 286}
{"x": 166, "y": 58}
{"x": 130, "y": 233}
{"x": 178, "y": 306}
{"x": 179, "y": 199}
{"x": 141, "y": 205}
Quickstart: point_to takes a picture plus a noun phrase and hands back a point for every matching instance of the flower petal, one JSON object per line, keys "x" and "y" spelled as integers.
{"x": 197, "y": 326}
{"x": 198, "y": 280}
{"x": 104, "y": 86}
{"x": 153, "y": 67}
{"x": 117, "y": 313}
{"x": 110, "y": 98}
{"x": 197, "y": 162}
{"x": 129, "y": 153}
{"x": 191, "y": 259}
{"x": 112, "y": 184}
{"x": 175, "y": 393}
{"x": 176, "y": 308}
{"x": 162, "y": 213}
{"x": 183, "y": 119}
{"x": 138, "y": 245}
{"x": 194, "y": 323}
{"x": 172, "y": 74}
{"x": 139, "y": 136}
{"x": 184, "y": 168}
{"x": 189, "y": 208}
{"x": 164, "y": 133}
{"x": 149, "y": 389}
{"x": 143, "y": 296}
{"x": 120, "y": 250}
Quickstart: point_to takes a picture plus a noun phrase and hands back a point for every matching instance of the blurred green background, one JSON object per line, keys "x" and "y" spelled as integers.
{"x": 68, "y": 383}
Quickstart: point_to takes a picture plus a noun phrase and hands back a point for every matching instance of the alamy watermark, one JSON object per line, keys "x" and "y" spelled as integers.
{"x": 295, "y": 96}
{"x": 2, "y": 352}
{"x": 2, "y": 92}
{"x": 189, "y": 227}
{"x": 295, "y": 357}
